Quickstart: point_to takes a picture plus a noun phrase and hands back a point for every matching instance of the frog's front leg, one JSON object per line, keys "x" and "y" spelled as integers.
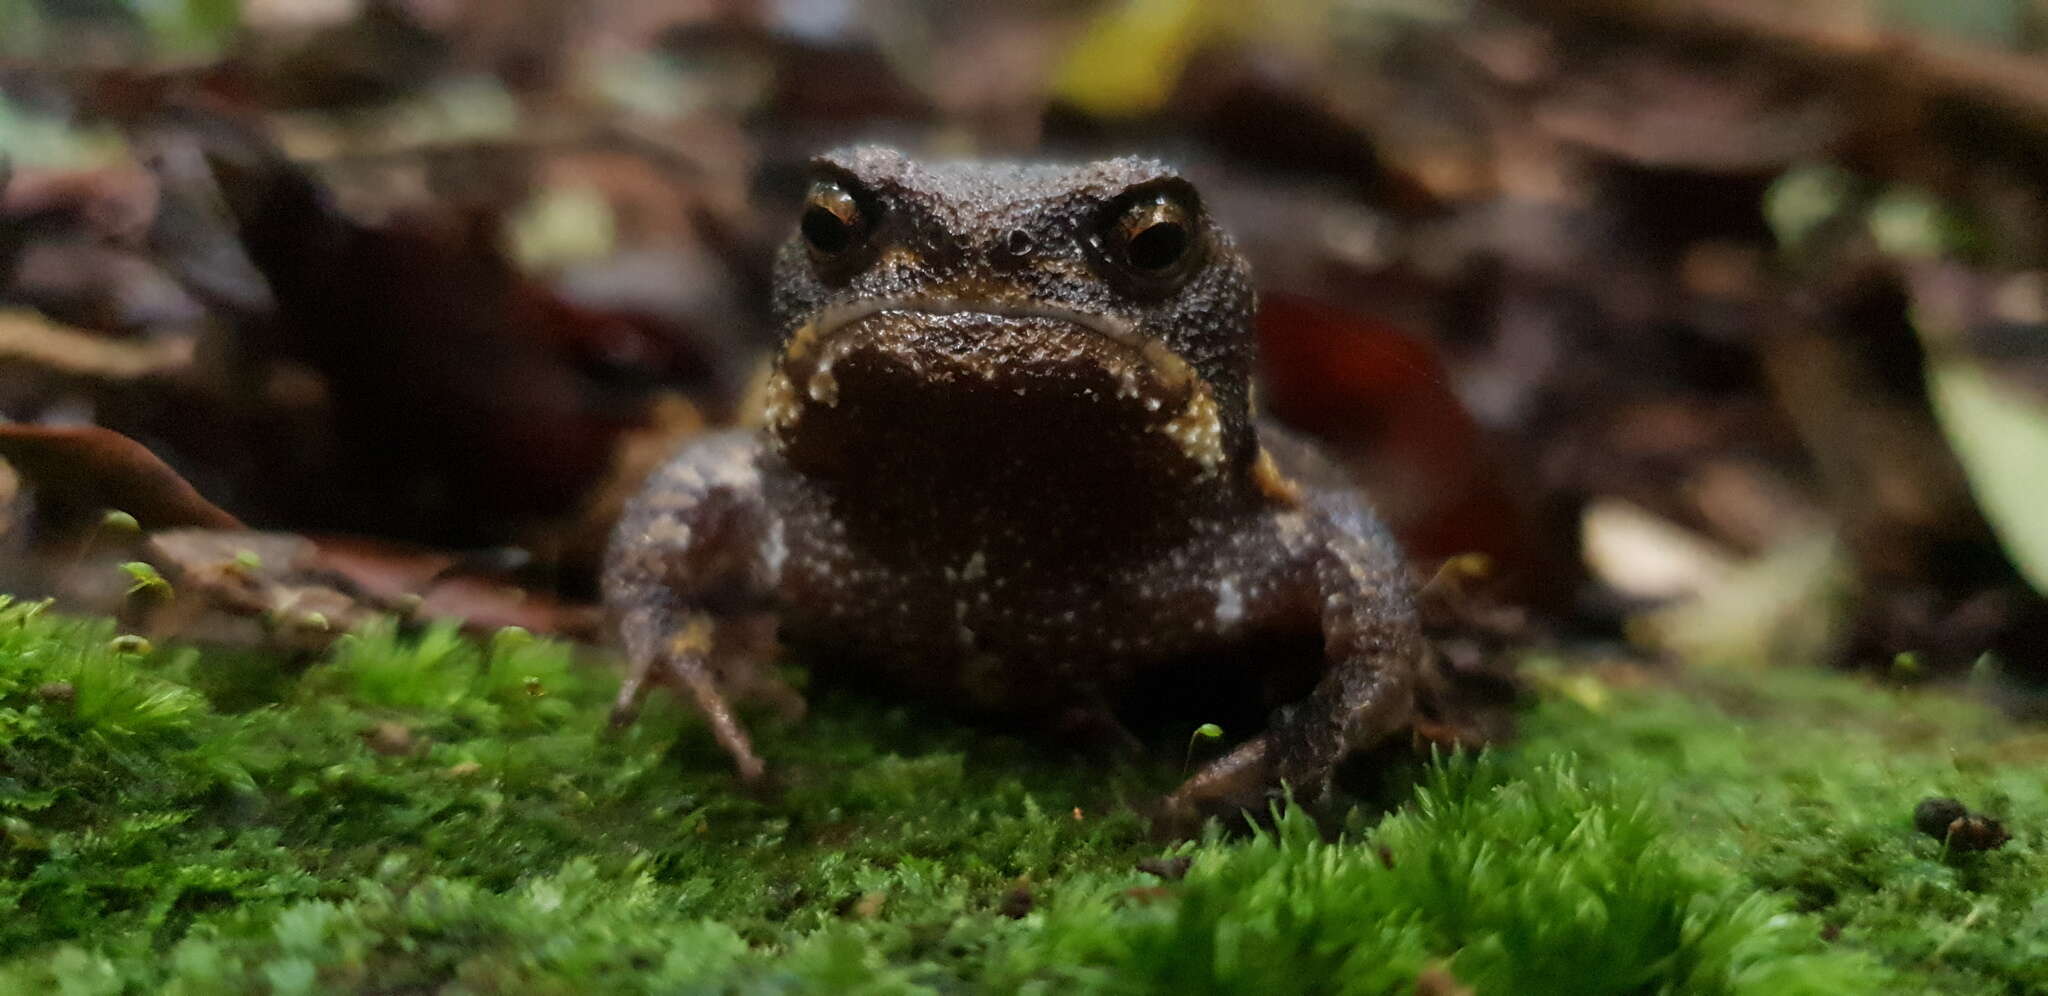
{"x": 1372, "y": 648}
{"x": 692, "y": 566}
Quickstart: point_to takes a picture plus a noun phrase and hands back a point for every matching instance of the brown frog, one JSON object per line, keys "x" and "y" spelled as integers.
{"x": 1010, "y": 462}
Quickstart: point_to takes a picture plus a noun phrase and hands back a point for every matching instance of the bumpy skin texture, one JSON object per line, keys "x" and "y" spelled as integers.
{"x": 1006, "y": 469}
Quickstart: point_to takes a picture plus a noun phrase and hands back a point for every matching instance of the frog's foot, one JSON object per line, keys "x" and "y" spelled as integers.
{"x": 692, "y": 679}
{"x": 1242, "y": 782}
{"x": 682, "y": 666}
{"x": 1296, "y": 758}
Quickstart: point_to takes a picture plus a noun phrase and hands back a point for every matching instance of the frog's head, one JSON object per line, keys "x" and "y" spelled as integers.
{"x": 1012, "y": 305}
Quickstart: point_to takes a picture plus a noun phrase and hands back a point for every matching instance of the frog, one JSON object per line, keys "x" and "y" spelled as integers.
{"x": 1008, "y": 459}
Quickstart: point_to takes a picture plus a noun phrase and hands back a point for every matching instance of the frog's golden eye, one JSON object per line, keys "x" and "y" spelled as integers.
{"x": 1153, "y": 238}
{"x": 833, "y": 222}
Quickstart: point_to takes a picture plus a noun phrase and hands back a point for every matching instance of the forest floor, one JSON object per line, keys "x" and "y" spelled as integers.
{"x": 427, "y": 814}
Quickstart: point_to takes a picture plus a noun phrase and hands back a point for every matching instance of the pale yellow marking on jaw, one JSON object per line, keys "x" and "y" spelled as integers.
{"x": 1275, "y": 485}
{"x": 1171, "y": 369}
{"x": 753, "y": 405}
{"x": 1198, "y": 431}
{"x": 779, "y": 407}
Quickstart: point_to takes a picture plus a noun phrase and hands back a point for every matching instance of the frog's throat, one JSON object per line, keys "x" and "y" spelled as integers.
{"x": 1197, "y": 428}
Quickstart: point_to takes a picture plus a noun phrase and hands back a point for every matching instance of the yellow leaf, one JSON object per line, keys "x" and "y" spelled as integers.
{"x": 1129, "y": 60}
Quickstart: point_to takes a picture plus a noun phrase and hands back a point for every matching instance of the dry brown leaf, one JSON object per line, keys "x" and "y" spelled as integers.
{"x": 84, "y": 471}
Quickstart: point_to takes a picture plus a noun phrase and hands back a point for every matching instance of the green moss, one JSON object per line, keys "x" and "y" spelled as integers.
{"x": 428, "y": 814}
{"x": 1540, "y": 881}
{"x": 1804, "y": 785}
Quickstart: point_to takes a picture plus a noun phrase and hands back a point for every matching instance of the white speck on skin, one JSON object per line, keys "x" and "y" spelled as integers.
{"x": 669, "y": 531}
{"x": 1199, "y": 432}
{"x": 1229, "y": 603}
{"x": 774, "y": 550}
{"x": 824, "y": 387}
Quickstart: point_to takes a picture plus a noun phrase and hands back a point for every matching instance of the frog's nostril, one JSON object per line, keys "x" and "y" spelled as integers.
{"x": 1018, "y": 244}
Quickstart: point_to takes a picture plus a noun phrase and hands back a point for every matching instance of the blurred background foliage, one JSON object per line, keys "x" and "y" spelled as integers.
{"x": 1707, "y": 323}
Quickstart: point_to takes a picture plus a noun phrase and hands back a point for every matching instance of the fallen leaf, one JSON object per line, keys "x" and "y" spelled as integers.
{"x": 273, "y": 578}
{"x": 27, "y": 339}
{"x": 1789, "y": 605}
{"x": 425, "y": 583}
{"x": 84, "y": 471}
{"x": 1380, "y": 399}
{"x": 508, "y": 399}
{"x": 309, "y": 591}
{"x": 2000, "y": 435}
{"x": 1129, "y": 60}
{"x": 1646, "y": 557}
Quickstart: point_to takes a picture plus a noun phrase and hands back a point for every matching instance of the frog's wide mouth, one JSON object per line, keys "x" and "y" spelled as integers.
{"x": 814, "y": 338}
{"x": 1145, "y": 369}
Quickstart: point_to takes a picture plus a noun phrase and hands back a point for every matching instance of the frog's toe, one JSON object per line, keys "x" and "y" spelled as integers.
{"x": 1240, "y": 781}
{"x": 694, "y": 680}
{"x": 632, "y": 694}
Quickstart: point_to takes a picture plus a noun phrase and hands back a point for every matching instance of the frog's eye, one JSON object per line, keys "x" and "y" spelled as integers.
{"x": 833, "y": 222}
{"x": 1153, "y": 238}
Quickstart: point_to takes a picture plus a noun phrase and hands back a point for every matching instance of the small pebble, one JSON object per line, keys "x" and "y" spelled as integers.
{"x": 389, "y": 739}
{"x": 1437, "y": 980}
{"x": 869, "y": 906}
{"x": 1017, "y": 903}
{"x": 1933, "y": 816}
{"x": 1951, "y": 822}
{"x": 1977, "y": 832}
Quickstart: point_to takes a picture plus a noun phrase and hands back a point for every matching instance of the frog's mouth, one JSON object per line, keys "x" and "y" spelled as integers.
{"x": 819, "y": 335}
{"x": 954, "y": 339}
